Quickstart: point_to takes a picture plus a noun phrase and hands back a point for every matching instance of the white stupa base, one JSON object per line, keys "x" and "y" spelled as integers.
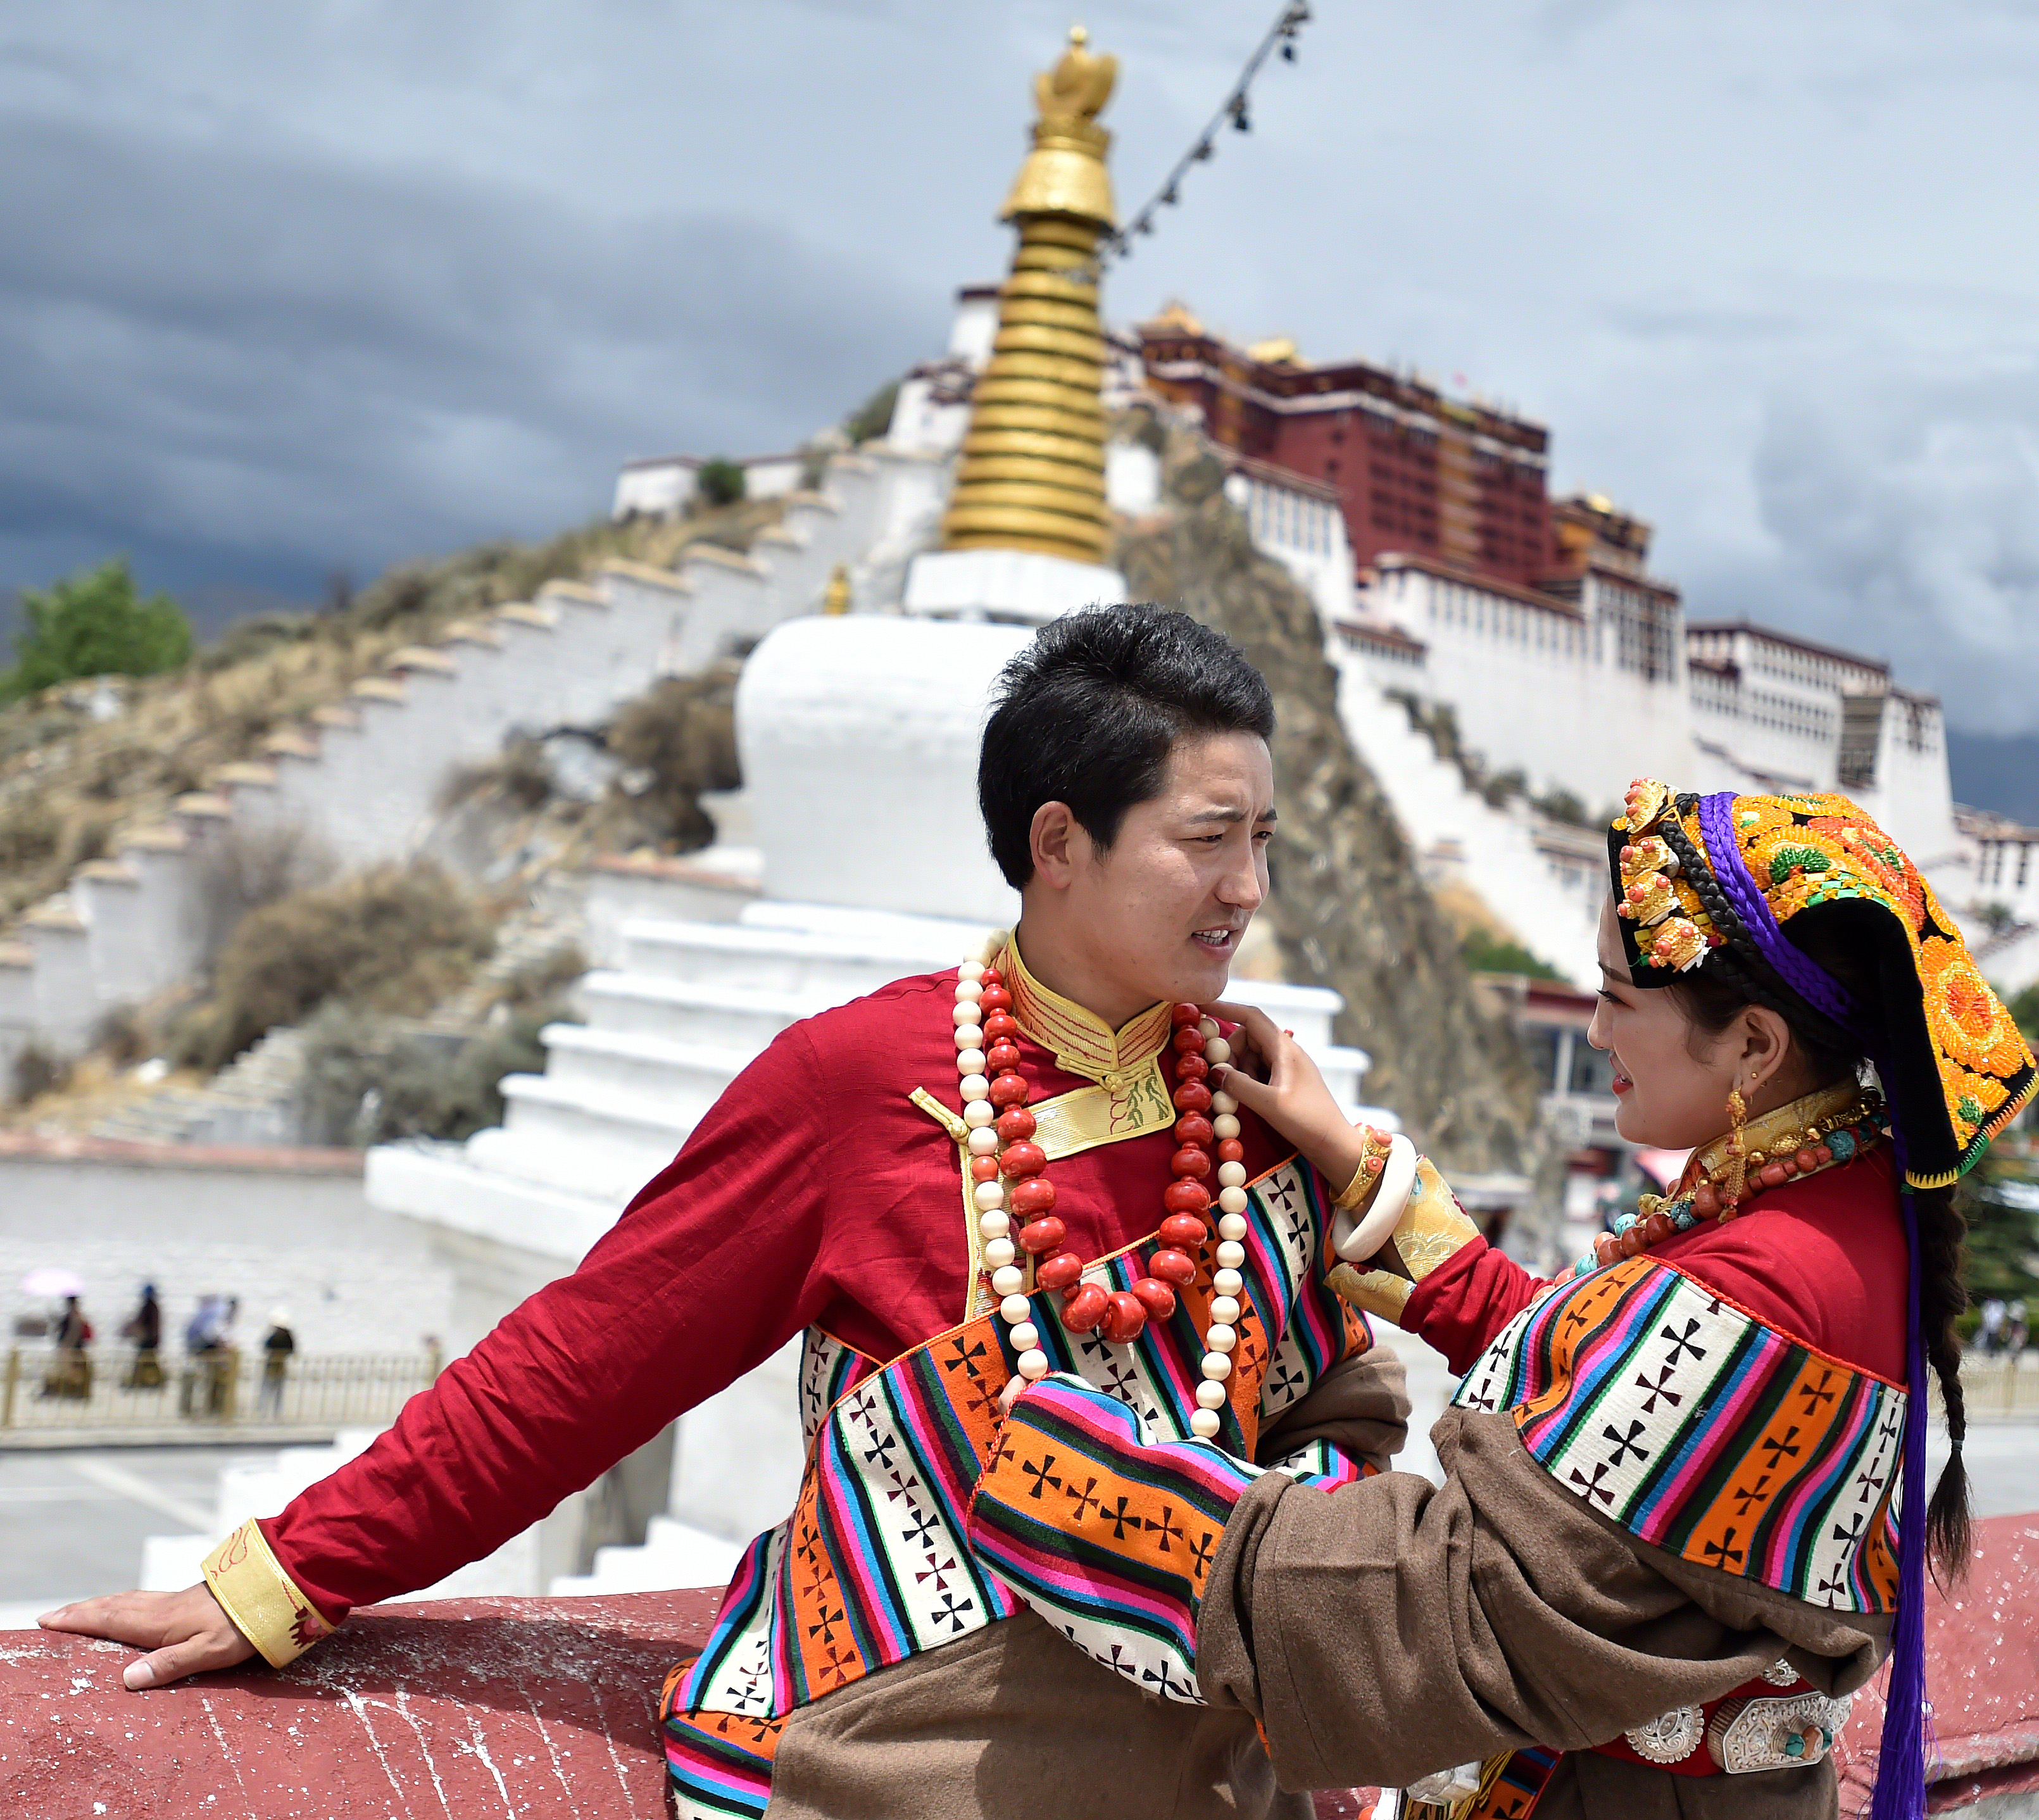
{"x": 1007, "y": 585}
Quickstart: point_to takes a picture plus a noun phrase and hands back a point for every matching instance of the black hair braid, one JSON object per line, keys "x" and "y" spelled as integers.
{"x": 1942, "y": 1296}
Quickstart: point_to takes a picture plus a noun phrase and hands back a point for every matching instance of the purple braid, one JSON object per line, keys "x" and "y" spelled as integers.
{"x": 1812, "y": 983}
{"x": 1900, "y": 1753}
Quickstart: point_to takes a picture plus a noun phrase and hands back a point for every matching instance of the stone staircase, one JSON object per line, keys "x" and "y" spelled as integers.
{"x": 252, "y": 1100}
{"x": 1532, "y": 876}
{"x": 362, "y": 778}
{"x": 255, "y": 1099}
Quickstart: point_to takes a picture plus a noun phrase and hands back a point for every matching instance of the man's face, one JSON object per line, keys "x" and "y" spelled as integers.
{"x": 1162, "y": 909}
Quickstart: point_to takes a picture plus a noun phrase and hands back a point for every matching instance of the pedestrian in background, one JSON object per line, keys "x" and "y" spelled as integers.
{"x": 144, "y": 1329}
{"x": 278, "y": 1344}
{"x": 71, "y": 1374}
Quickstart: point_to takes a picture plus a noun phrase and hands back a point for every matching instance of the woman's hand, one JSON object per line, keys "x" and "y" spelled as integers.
{"x": 1272, "y": 1077}
{"x": 185, "y": 1633}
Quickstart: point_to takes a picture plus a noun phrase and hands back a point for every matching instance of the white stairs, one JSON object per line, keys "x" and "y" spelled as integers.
{"x": 362, "y": 778}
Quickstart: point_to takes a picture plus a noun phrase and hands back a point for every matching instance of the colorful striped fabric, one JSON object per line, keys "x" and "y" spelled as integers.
{"x": 874, "y": 1564}
{"x": 1107, "y": 1534}
{"x": 1698, "y": 1429}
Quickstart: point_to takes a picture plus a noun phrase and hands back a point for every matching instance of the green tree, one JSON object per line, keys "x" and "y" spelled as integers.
{"x": 94, "y": 624}
{"x": 720, "y": 482}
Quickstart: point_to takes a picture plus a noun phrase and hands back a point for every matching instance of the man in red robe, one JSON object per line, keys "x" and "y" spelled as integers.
{"x": 1128, "y": 793}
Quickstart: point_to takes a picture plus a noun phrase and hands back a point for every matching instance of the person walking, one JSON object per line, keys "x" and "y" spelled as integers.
{"x": 278, "y": 1344}
{"x": 70, "y": 1375}
{"x": 143, "y": 1329}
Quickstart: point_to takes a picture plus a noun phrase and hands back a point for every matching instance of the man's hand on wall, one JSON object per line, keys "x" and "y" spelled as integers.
{"x": 184, "y": 1633}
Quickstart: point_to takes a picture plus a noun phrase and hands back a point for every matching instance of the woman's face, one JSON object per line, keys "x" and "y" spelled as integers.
{"x": 1663, "y": 1097}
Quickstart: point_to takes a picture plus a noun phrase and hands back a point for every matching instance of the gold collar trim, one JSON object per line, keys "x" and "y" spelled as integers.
{"x": 1081, "y": 1041}
{"x": 1786, "y": 1128}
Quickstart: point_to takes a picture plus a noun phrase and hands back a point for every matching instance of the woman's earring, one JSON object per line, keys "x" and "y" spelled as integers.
{"x": 1735, "y": 1183}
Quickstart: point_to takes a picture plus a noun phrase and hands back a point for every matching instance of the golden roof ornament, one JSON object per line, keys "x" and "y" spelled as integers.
{"x": 1032, "y": 473}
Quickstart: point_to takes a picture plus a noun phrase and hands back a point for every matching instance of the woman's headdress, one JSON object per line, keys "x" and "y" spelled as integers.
{"x": 1733, "y": 885}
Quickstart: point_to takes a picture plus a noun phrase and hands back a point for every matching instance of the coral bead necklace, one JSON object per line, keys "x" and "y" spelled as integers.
{"x": 1009, "y": 1183}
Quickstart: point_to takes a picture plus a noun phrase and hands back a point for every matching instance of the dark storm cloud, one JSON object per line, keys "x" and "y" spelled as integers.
{"x": 285, "y": 288}
{"x": 204, "y": 344}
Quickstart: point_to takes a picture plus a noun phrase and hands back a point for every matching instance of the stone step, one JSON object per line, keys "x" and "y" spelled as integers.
{"x": 622, "y": 1072}
{"x": 833, "y": 968}
{"x": 726, "y": 1016}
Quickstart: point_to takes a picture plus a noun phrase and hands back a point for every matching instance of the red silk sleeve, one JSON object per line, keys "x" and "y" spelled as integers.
{"x": 664, "y": 1312}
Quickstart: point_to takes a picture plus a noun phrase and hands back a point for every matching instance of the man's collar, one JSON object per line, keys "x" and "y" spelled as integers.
{"x": 1082, "y": 1041}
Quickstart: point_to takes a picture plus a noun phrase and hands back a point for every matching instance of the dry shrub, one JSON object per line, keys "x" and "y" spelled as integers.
{"x": 121, "y": 1037}
{"x": 394, "y": 939}
{"x": 364, "y": 1083}
{"x": 683, "y": 732}
{"x": 38, "y": 1070}
{"x": 242, "y": 869}
{"x": 519, "y": 773}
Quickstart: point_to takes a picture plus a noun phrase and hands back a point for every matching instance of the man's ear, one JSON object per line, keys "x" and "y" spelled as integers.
{"x": 1059, "y": 845}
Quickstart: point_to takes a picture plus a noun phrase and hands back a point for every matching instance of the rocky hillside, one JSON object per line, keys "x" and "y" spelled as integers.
{"x": 82, "y": 760}
{"x": 1349, "y": 908}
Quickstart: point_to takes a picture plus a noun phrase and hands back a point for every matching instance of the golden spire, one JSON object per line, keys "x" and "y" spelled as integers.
{"x": 835, "y": 599}
{"x": 1032, "y": 477}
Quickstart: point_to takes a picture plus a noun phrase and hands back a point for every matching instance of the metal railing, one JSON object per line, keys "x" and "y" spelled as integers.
{"x": 2001, "y": 1385}
{"x": 44, "y": 1388}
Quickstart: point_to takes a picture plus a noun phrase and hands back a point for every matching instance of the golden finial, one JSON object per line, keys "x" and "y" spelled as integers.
{"x": 835, "y": 602}
{"x": 1032, "y": 474}
{"x": 1079, "y": 85}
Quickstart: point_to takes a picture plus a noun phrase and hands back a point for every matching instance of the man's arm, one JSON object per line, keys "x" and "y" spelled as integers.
{"x": 714, "y": 1266}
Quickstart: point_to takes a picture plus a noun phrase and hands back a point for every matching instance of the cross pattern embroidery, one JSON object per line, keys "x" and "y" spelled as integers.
{"x": 1816, "y": 1394}
{"x": 952, "y": 1609}
{"x": 1083, "y": 1501}
{"x": 1869, "y": 1481}
{"x": 1852, "y": 1533}
{"x": 936, "y": 1569}
{"x": 1120, "y": 1518}
{"x": 879, "y": 1453}
{"x": 1660, "y": 1388}
{"x": 1683, "y": 1342}
{"x": 1166, "y": 1683}
{"x": 1624, "y": 1445}
{"x": 1165, "y": 1527}
{"x": 1758, "y": 1493}
{"x": 1593, "y": 1487}
{"x": 1042, "y": 1478}
{"x": 1719, "y": 1554}
{"x": 961, "y": 1353}
{"x": 925, "y": 1523}
{"x": 1286, "y": 1384}
{"x": 1778, "y": 1450}
{"x": 1201, "y": 1551}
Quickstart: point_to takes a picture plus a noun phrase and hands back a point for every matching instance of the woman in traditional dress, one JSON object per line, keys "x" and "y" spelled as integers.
{"x": 1667, "y": 1547}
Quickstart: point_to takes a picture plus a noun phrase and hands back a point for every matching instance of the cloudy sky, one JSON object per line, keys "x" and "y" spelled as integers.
{"x": 287, "y": 289}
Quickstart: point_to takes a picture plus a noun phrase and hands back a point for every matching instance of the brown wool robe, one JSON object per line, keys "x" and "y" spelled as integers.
{"x": 1393, "y": 1629}
{"x": 1010, "y": 1723}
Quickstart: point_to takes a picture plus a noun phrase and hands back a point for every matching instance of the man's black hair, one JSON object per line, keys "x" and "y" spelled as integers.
{"x": 1089, "y": 712}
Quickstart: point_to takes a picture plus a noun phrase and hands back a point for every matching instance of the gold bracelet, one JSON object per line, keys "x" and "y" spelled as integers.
{"x": 263, "y": 1601}
{"x": 1373, "y": 1159}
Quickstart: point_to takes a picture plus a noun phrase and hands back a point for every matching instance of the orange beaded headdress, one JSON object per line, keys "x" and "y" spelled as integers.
{"x": 1744, "y": 878}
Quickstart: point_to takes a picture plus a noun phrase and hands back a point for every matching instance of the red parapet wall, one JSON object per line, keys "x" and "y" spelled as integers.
{"x": 539, "y": 1706}
{"x": 544, "y": 1708}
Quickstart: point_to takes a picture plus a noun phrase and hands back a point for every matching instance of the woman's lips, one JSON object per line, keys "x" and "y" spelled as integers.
{"x": 1621, "y": 1083}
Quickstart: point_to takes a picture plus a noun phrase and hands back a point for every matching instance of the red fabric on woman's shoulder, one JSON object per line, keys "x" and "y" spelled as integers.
{"x": 1822, "y": 1260}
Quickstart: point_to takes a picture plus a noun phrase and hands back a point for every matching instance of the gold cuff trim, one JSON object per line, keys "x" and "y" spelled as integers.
{"x": 263, "y": 1600}
{"x": 1432, "y": 1229}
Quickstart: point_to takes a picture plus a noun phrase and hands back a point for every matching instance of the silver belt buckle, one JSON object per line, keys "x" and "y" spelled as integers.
{"x": 1750, "y": 1735}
